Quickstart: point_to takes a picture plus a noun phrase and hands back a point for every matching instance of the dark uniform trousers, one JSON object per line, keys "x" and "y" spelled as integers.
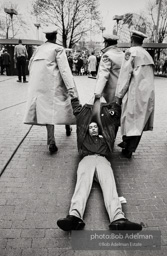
{"x": 21, "y": 67}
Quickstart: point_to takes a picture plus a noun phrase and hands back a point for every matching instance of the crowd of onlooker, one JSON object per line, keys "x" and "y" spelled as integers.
{"x": 83, "y": 64}
{"x": 161, "y": 66}
{"x": 87, "y": 64}
{"x": 80, "y": 63}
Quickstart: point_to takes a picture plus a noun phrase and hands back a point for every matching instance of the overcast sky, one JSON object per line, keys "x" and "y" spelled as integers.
{"x": 108, "y": 8}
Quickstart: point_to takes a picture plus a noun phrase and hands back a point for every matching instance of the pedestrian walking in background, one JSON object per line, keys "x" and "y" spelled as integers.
{"x": 165, "y": 65}
{"x": 74, "y": 67}
{"x": 1, "y": 62}
{"x": 95, "y": 145}
{"x": 135, "y": 90}
{"x": 20, "y": 56}
{"x": 109, "y": 68}
{"x": 6, "y": 62}
{"x": 70, "y": 60}
{"x": 50, "y": 80}
{"x": 92, "y": 63}
{"x": 79, "y": 65}
{"x": 98, "y": 61}
{"x": 85, "y": 64}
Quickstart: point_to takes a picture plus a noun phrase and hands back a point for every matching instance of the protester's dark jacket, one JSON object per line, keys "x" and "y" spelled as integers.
{"x": 109, "y": 117}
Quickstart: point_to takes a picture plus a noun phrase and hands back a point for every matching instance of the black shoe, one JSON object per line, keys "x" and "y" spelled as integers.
{"x": 53, "y": 148}
{"x": 126, "y": 153}
{"x": 70, "y": 223}
{"x": 68, "y": 131}
{"x": 19, "y": 81}
{"x": 123, "y": 144}
{"x": 25, "y": 81}
{"x": 124, "y": 224}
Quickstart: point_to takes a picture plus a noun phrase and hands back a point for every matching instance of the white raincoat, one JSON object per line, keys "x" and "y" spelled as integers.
{"x": 50, "y": 77}
{"x": 108, "y": 72}
{"x": 136, "y": 88}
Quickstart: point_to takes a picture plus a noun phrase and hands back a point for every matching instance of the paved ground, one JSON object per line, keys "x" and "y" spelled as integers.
{"x": 36, "y": 188}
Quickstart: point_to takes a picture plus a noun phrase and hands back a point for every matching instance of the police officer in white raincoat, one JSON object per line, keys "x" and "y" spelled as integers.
{"x": 109, "y": 68}
{"x": 50, "y": 81}
{"x": 135, "y": 90}
{"x": 108, "y": 72}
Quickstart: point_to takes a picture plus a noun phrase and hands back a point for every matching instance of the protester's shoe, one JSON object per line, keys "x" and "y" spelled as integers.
{"x": 123, "y": 144}
{"x": 68, "y": 131}
{"x": 70, "y": 223}
{"x": 52, "y": 148}
{"x": 19, "y": 81}
{"x": 25, "y": 81}
{"x": 124, "y": 224}
{"x": 126, "y": 153}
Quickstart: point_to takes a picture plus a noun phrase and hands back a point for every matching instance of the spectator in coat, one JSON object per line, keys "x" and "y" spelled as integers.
{"x": 92, "y": 64}
{"x": 1, "y": 63}
{"x": 70, "y": 60}
{"x": 79, "y": 65}
{"x": 98, "y": 61}
{"x": 20, "y": 56}
{"x": 6, "y": 61}
{"x": 85, "y": 64}
{"x": 74, "y": 67}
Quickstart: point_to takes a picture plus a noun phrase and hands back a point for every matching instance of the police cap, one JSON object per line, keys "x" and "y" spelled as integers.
{"x": 110, "y": 37}
{"x": 138, "y": 34}
{"x": 50, "y": 30}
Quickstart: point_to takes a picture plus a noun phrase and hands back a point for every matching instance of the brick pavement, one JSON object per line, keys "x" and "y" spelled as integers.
{"x": 36, "y": 188}
{"x": 12, "y": 128}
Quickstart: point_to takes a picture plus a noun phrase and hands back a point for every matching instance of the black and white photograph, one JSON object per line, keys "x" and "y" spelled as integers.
{"x": 83, "y": 127}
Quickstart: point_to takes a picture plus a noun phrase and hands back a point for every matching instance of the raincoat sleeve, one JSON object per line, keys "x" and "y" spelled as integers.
{"x": 64, "y": 69}
{"x": 103, "y": 74}
{"x": 77, "y": 107}
{"x": 31, "y": 59}
{"x": 125, "y": 75}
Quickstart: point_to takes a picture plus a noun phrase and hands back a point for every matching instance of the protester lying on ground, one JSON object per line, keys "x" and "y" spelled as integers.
{"x": 95, "y": 144}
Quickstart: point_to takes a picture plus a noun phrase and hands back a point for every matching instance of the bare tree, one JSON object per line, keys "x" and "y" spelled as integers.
{"x": 153, "y": 12}
{"x": 72, "y": 17}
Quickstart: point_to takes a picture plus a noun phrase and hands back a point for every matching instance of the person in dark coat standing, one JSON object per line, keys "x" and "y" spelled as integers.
{"x": 20, "y": 56}
{"x": 6, "y": 61}
{"x": 95, "y": 142}
{"x": 79, "y": 65}
{"x": 70, "y": 60}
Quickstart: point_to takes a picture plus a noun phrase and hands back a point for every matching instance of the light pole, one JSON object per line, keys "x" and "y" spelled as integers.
{"x": 37, "y": 25}
{"x": 118, "y": 18}
{"x": 11, "y": 12}
{"x": 102, "y": 29}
